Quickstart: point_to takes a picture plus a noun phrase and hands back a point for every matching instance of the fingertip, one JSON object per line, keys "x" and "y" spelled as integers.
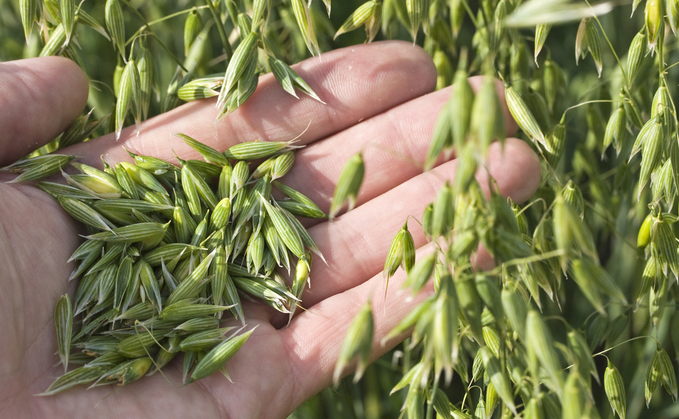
{"x": 39, "y": 97}
{"x": 390, "y": 71}
{"x": 64, "y": 81}
{"x": 410, "y": 63}
{"x": 75, "y": 80}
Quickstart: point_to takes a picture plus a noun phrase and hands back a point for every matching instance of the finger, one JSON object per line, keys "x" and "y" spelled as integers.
{"x": 39, "y": 97}
{"x": 394, "y": 146}
{"x": 357, "y": 243}
{"x": 356, "y": 83}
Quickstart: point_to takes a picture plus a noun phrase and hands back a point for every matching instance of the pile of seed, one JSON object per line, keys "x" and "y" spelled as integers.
{"x": 171, "y": 250}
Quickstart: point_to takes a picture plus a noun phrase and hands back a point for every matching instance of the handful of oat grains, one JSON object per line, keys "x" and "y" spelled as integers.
{"x": 171, "y": 250}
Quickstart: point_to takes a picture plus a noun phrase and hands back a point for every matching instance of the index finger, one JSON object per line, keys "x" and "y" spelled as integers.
{"x": 356, "y": 83}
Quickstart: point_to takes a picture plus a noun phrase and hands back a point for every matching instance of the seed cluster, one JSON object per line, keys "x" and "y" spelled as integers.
{"x": 171, "y": 249}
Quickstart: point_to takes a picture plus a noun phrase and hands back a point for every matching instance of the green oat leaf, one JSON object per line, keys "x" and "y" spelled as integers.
{"x": 218, "y": 356}
{"x": 148, "y": 281}
{"x": 193, "y": 284}
{"x": 146, "y": 70}
{"x": 498, "y": 378}
{"x": 115, "y": 24}
{"x": 84, "y": 213}
{"x": 359, "y": 17}
{"x": 82, "y": 375}
{"x": 487, "y": 120}
{"x": 282, "y": 165}
{"x": 583, "y": 354}
{"x": 615, "y": 390}
{"x": 129, "y": 205}
{"x": 515, "y": 308}
{"x": 668, "y": 375}
{"x": 67, "y": 11}
{"x": 63, "y": 321}
{"x": 348, "y": 185}
{"x": 655, "y": 22}
{"x": 184, "y": 310}
{"x": 123, "y": 278}
{"x": 539, "y": 343}
{"x": 442, "y": 138}
{"x": 304, "y": 234}
{"x": 139, "y": 344}
{"x": 653, "y": 376}
{"x": 204, "y": 340}
{"x": 573, "y": 398}
{"x": 635, "y": 54}
{"x": 242, "y": 58}
{"x": 192, "y": 27}
{"x": 38, "y": 167}
{"x": 306, "y": 207}
{"x": 541, "y": 32}
{"x": 149, "y": 234}
{"x": 594, "y": 45}
{"x": 286, "y": 231}
{"x": 357, "y": 343}
{"x": 128, "y": 96}
{"x": 300, "y": 10}
{"x": 58, "y": 189}
{"x": 28, "y": 10}
{"x": 257, "y": 150}
{"x": 523, "y": 116}
{"x": 394, "y": 256}
{"x": 57, "y": 42}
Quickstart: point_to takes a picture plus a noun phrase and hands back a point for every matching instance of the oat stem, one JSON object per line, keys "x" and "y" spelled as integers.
{"x": 160, "y": 42}
{"x": 220, "y": 29}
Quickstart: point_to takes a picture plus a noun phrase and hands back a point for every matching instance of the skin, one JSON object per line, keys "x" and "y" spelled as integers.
{"x": 379, "y": 101}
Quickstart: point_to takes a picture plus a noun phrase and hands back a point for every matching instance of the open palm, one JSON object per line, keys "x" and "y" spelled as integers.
{"x": 375, "y": 104}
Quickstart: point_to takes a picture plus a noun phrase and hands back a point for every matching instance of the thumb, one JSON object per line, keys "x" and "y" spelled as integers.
{"x": 39, "y": 97}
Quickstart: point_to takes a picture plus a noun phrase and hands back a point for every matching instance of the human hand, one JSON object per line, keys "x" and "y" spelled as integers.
{"x": 375, "y": 102}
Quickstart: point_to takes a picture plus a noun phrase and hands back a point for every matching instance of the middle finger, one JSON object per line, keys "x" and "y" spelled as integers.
{"x": 394, "y": 146}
